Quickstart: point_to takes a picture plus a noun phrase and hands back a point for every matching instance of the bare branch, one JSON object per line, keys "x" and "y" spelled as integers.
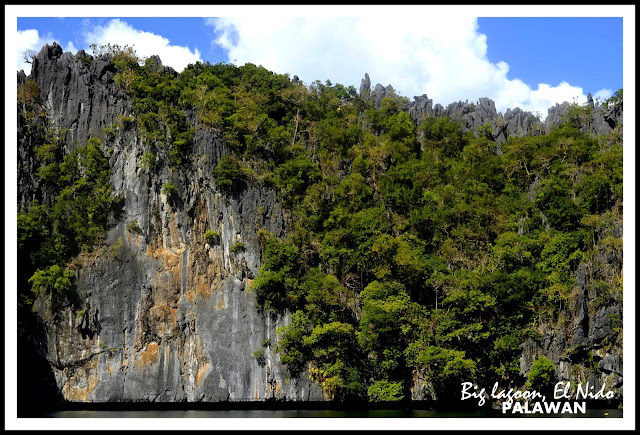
{"x": 29, "y": 55}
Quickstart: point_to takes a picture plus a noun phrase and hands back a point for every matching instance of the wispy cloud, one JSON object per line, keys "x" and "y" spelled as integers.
{"x": 603, "y": 94}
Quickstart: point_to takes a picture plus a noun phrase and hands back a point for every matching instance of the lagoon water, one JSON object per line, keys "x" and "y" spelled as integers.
{"x": 318, "y": 413}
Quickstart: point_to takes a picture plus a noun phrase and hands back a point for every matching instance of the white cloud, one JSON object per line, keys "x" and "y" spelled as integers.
{"x": 441, "y": 55}
{"x": 145, "y": 43}
{"x": 603, "y": 94}
{"x": 29, "y": 39}
{"x": 542, "y": 98}
{"x": 70, "y": 47}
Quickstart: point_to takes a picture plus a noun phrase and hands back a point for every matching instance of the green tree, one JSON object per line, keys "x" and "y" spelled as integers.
{"x": 293, "y": 352}
{"x": 542, "y": 375}
{"x": 52, "y": 279}
{"x": 385, "y": 391}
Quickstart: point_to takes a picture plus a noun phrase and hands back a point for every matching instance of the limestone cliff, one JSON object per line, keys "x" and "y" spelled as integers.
{"x": 159, "y": 314}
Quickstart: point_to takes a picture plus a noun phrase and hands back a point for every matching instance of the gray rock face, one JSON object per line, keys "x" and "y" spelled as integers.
{"x": 380, "y": 92}
{"x": 555, "y": 115}
{"x": 472, "y": 116}
{"x": 160, "y": 315}
{"x": 154, "y": 64}
{"x": 377, "y": 94}
{"x": 602, "y": 120}
{"x": 483, "y": 114}
{"x": 79, "y": 95}
{"x": 421, "y": 106}
{"x": 605, "y": 120}
{"x": 611, "y": 363}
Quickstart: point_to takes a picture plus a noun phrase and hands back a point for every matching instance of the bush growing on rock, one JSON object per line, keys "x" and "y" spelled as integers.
{"x": 236, "y": 248}
{"x": 170, "y": 191}
{"x": 134, "y": 228}
{"x": 212, "y": 237}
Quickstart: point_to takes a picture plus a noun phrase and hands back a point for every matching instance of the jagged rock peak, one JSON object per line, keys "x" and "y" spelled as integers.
{"x": 82, "y": 55}
{"x": 365, "y": 86}
{"x": 49, "y": 52}
{"x": 513, "y": 122}
{"x": 154, "y": 64}
{"x": 421, "y": 106}
{"x": 487, "y": 107}
{"x": 555, "y": 115}
{"x": 379, "y": 92}
{"x": 154, "y": 60}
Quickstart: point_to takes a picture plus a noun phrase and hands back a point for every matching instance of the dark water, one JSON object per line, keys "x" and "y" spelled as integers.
{"x": 288, "y": 413}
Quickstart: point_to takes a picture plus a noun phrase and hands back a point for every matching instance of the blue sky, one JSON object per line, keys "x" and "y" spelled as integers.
{"x": 530, "y": 63}
{"x": 187, "y": 31}
{"x": 584, "y": 51}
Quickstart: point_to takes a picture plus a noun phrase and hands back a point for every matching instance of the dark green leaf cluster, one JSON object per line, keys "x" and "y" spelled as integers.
{"x": 541, "y": 377}
{"x": 228, "y": 174}
{"x": 134, "y": 228}
{"x": 236, "y": 248}
{"x": 170, "y": 191}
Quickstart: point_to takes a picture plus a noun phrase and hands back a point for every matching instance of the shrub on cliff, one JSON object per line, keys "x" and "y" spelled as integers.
{"x": 121, "y": 56}
{"x": 212, "y": 237}
{"x": 53, "y": 278}
{"x": 170, "y": 191}
{"x": 236, "y": 248}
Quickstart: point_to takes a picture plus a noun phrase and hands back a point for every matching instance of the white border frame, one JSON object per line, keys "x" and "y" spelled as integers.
{"x": 393, "y": 12}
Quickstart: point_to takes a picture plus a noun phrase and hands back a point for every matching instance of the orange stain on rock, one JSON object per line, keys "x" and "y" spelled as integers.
{"x": 203, "y": 287}
{"x": 149, "y": 355}
{"x": 202, "y": 371}
{"x": 82, "y": 382}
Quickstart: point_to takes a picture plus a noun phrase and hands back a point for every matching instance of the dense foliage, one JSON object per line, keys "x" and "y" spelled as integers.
{"x": 413, "y": 248}
{"x": 49, "y": 236}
